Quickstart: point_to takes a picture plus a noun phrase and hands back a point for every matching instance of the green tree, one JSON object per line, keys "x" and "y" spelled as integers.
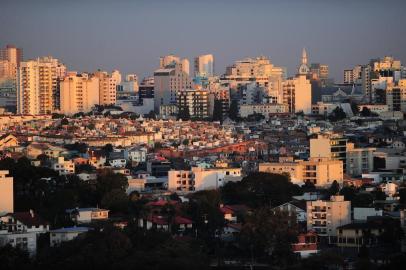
{"x": 334, "y": 188}
{"x": 348, "y": 193}
{"x": 337, "y": 114}
{"x": 108, "y": 148}
{"x": 260, "y": 189}
{"x": 115, "y": 200}
{"x": 362, "y": 200}
{"x": 108, "y": 181}
{"x": 14, "y": 258}
{"x": 268, "y": 232}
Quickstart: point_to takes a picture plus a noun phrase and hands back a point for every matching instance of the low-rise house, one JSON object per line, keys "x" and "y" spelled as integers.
{"x": 22, "y": 229}
{"x": 20, "y": 222}
{"x": 8, "y": 140}
{"x": 307, "y": 244}
{"x": 62, "y": 166}
{"x": 25, "y": 241}
{"x": 231, "y": 231}
{"x": 137, "y": 154}
{"x": 87, "y": 215}
{"x": 364, "y": 233}
{"x": 233, "y": 212}
{"x": 362, "y": 213}
{"x": 163, "y": 223}
{"x": 117, "y": 162}
{"x": 297, "y": 208}
{"x": 87, "y": 176}
{"x": 65, "y": 234}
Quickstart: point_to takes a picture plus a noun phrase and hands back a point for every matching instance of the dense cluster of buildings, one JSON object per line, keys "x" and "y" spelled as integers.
{"x": 317, "y": 133}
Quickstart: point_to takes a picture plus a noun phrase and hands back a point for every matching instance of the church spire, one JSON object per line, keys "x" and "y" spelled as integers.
{"x": 304, "y": 68}
{"x": 304, "y": 57}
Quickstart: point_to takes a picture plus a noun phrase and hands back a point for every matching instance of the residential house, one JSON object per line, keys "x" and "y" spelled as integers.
{"x": 61, "y": 235}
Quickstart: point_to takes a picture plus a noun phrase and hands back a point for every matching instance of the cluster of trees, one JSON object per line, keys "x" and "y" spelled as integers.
{"x": 337, "y": 114}
{"x": 49, "y": 194}
{"x": 260, "y": 189}
{"x": 111, "y": 248}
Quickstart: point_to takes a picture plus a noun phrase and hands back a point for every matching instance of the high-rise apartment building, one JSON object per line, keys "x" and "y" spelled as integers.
{"x": 319, "y": 71}
{"x": 146, "y": 88}
{"x": 329, "y": 145}
{"x": 204, "y": 65}
{"x": 107, "y": 88}
{"x": 248, "y": 70}
{"x": 168, "y": 82}
{"x": 185, "y": 66}
{"x": 324, "y": 217}
{"x": 79, "y": 93}
{"x": 396, "y": 96}
{"x": 6, "y": 193}
{"x": 322, "y": 172}
{"x": 168, "y": 60}
{"x": 353, "y": 76}
{"x": 297, "y": 94}
{"x": 10, "y": 59}
{"x": 38, "y": 86}
{"x": 195, "y": 101}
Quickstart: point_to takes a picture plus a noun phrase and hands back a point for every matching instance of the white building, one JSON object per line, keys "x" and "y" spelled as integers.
{"x": 325, "y": 216}
{"x": 22, "y": 229}
{"x": 293, "y": 208}
{"x": 62, "y": 166}
{"x": 264, "y": 109}
{"x": 65, "y": 234}
{"x": 87, "y": 215}
{"x": 202, "y": 179}
{"x": 362, "y": 213}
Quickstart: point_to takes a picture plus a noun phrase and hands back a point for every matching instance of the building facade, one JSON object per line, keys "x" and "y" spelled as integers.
{"x": 79, "y": 93}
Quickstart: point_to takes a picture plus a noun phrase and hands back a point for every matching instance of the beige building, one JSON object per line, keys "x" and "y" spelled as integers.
{"x": 79, "y": 93}
{"x": 329, "y": 145}
{"x": 297, "y": 94}
{"x": 322, "y": 172}
{"x": 324, "y": 217}
{"x": 10, "y": 59}
{"x": 38, "y": 87}
{"x": 259, "y": 70}
{"x": 6, "y": 193}
{"x": 107, "y": 88}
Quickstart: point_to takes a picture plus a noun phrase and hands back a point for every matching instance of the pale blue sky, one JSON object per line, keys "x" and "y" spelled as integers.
{"x": 131, "y": 35}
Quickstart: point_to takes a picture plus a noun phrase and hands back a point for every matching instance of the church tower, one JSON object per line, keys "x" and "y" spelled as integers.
{"x": 304, "y": 68}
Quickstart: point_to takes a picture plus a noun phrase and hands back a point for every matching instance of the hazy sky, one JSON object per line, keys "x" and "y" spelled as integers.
{"x": 130, "y": 35}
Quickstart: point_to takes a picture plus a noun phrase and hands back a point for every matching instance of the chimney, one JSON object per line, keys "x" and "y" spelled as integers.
{"x": 32, "y": 213}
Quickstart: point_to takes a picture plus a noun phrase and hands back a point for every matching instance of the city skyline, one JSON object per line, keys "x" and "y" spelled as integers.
{"x": 128, "y": 36}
